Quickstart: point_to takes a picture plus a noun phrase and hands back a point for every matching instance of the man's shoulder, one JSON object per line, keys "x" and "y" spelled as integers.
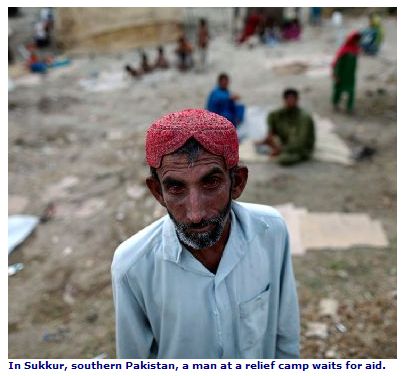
{"x": 262, "y": 213}
{"x": 305, "y": 114}
{"x": 137, "y": 247}
{"x": 273, "y": 117}
{"x": 219, "y": 92}
{"x": 276, "y": 112}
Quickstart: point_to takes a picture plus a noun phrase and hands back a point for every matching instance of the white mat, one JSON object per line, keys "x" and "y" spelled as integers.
{"x": 339, "y": 231}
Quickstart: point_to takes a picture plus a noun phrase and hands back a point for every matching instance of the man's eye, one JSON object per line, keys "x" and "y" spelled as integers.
{"x": 211, "y": 182}
{"x": 175, "y": 189}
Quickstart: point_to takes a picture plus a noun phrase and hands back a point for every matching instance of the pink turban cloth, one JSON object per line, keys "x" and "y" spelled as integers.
{"x": 215, "y": 133}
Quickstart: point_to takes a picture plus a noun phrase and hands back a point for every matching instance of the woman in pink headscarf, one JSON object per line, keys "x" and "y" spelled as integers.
{"x": 344, "y": 67}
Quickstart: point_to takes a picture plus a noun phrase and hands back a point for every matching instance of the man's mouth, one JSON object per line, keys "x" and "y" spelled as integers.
{"x": 201, "y": 229}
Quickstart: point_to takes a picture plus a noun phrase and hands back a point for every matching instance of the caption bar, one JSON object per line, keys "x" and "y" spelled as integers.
{"x": 279, "y": 365}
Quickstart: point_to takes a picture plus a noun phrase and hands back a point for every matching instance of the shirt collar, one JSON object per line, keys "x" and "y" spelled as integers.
{"x": 244, "y": 228}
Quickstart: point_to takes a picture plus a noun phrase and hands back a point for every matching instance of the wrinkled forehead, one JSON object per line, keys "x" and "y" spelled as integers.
{"x": 177, "y": 163}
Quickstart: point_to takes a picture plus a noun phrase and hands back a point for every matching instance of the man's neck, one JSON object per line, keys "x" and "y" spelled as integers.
{"x": 210, "y": 257}
{"x": 291, "y": 109}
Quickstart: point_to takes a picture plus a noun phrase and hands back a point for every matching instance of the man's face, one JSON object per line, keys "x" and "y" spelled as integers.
{"x": 290, "y": 101}
{"x": 197, "y": 197}
{"x": 223, "y": 83}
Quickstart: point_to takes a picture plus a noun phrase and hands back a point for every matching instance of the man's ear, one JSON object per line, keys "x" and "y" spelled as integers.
{"x": 239, "y": 180}
{"x": 154, "y": 186}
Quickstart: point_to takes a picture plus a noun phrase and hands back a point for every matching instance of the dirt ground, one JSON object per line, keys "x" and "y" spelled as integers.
{"x": 60, "y": 304}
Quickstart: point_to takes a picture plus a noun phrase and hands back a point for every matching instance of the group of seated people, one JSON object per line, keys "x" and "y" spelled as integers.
{"x": 270, "y": 30}
{"x": 291, "y": 135}
{"x": 183, "y": 52}
{"x": 161, "y": 62}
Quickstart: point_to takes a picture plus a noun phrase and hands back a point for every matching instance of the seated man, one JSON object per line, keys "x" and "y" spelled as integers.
{"x": 161, "y": 61}
{"x": 291, "y": 131}
{"x": 222, "y": 102}
{"x": 184, "y": 52}
{"x": 372, "y": 37}
{"x": 145, "y": 65}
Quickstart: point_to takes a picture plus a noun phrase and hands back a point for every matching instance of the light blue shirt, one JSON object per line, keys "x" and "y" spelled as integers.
{"x": 168, "y": 305}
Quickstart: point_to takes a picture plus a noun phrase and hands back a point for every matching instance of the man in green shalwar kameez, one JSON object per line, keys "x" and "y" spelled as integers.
{"x": 291, "y": 132}
{"x": 344, "y": 68}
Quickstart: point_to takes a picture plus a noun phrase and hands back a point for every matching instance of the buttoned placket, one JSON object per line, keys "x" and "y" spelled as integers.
{"x": 222, "y": 307}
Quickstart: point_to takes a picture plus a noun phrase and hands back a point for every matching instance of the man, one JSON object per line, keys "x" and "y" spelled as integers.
{"x": 202, "y": 41}
{"x": 41, "y": 35}
{"x": 222, "y": 102}
{"x": 213, "y": 278}
{"x": 161, "y": 61}
{"x": 291, "y": 134}
{"x": 373, "y": 36}
{"x": 184, "y": 52}
{"x": 145, "y": 65}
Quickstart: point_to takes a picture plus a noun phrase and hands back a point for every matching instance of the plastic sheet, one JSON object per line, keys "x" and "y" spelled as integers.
{"x": 19, "y": 228}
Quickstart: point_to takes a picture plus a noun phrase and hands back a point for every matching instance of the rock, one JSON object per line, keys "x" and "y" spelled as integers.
{"x": 68, "y": 294}
{"x": 67, "y": 251}
{"x": 57, "y": 336}
{"x": 342, "y": 274}
{"x": 328, "y": 307}
{"x": 317, "y": 330}
{"x": 331, "y": 353}
{"x": 341, "y": 328}
{"x": 15, "y": 268}
{"x": 102, "y": 356}
{"x": 92, "y": 317}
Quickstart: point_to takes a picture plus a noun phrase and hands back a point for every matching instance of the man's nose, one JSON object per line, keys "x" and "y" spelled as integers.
{"x": 196, "y": 208}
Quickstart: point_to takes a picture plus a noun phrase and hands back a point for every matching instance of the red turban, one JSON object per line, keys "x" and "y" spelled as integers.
{"x": 215, "y": 133}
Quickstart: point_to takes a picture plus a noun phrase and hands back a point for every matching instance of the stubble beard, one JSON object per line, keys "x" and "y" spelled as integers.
{"x": 202, "y": 240}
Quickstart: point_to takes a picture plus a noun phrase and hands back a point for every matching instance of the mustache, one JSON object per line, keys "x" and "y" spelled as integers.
{"x": 203, "y": 239}
{"x": 201, "y": 224}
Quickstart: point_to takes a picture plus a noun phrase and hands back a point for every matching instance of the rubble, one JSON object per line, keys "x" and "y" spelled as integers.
{"x": 316, "y": 330}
